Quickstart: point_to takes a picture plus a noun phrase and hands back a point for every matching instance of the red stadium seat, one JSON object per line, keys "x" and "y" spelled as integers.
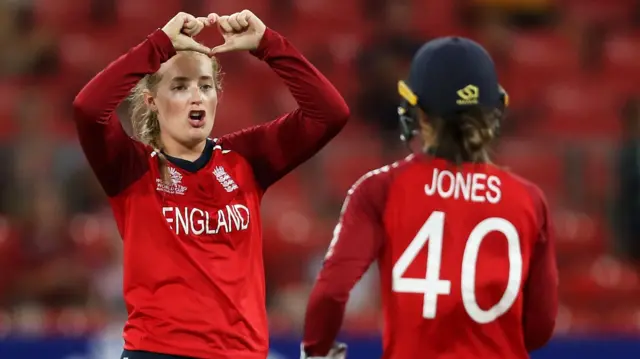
{"x": 539, "y": 58}
{"x": 542, "y": 166}
{"x": 621, "y": 319}
{"x": 435, "y": 18}
{"x": 599, "y": 282}
{"x": 621, "y": 53}
{"x": 576, "y": 319}
{"x": 147, "y": 11}
{"x": 351, "y": 155}
{"x": 9, "y": 94}
{"x": 227, "y": 7}
{"x": 319, "y": 19}
{"x": 596, "y": 11}
{"x": 544, "y": 53}
{"x": 581, "y": 107}
{"x": 578, "y": 235}
{"x": 59, "y": 16}
{"x": 599, "y": 176}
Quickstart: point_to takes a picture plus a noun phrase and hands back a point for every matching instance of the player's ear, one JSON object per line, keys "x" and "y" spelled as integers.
{"x": 149, "y": 99}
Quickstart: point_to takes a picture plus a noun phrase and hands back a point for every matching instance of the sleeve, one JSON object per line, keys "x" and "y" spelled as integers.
{"x": 541, "y": 286}
{"x": 116, "y": 159}
{"x": 276, "y": 148}
{"x": 357, "y": 241}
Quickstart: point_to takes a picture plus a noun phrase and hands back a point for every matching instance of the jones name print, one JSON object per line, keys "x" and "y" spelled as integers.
{"x": 185, "y": 220}
{"x": 474, "y": 187}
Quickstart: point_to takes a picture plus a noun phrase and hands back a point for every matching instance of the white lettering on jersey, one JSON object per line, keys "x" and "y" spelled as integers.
{"x": 474, "y": 187}
{"x": 184, "y": 220}
{"x": 431, "y": 285}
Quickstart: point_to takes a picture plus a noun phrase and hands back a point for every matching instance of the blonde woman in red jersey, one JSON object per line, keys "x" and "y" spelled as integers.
{"x": 187, "y": 206}
{"x": 464, "y": 248}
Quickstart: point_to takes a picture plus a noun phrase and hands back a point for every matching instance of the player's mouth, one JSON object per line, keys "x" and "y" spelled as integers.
{"x": 196, "y": 118}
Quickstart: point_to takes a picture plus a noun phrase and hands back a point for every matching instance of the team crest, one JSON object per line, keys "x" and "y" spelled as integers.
{"x": 225, "y": 180}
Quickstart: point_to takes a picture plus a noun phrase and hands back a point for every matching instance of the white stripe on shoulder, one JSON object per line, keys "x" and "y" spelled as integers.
{"x": 360, "y": 180}
{"x": 345, "y": 204}
{"x": 216, "y": 145}
{"x": 372, "y": 173}
{"x": 153, "y": 154}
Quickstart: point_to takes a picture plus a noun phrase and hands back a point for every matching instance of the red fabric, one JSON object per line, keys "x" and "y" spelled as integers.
{"x": 383, "y": 213}
{"x": 193, "y": 268}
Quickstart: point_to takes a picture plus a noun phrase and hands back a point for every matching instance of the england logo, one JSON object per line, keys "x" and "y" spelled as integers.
{"x": 225, "y": 180}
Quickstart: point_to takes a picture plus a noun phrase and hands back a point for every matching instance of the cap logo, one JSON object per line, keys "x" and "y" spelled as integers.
{"x": 468, "y": 95}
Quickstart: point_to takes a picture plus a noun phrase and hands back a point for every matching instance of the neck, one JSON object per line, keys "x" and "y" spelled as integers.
{"x": 188, "y": 153}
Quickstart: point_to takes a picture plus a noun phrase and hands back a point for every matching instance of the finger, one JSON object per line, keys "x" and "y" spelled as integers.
{"x": 198, "y": 28}
{"x": 190, "y": 22}
{"x": 191, "y": 29}
{"x": 205, "y": 21}
{"x": 243, "y": 18}
{"x": 213, "y": 17}
{"x": 248, "y": 16}
{"x": 226, "y": 47}
{"x": 223, "y": 23}
{"x": 175, "y": 25}
{"x": 193, "y": 45}
{"x": 233, "y": 22}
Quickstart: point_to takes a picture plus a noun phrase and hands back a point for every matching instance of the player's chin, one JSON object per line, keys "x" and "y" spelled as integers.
{"x": 195, "y": 135}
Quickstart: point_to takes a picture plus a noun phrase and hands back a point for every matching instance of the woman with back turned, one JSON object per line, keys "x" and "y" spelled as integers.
{"x": 465, "y": 249}
{"x": 187, "y": 206}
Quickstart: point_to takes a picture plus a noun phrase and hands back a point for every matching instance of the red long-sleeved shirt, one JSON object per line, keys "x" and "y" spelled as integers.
{"x": 193, "y": 272}
{"x": 396, "y": 215}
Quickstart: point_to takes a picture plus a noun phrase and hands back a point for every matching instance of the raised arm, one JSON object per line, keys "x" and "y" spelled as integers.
{"x": 356, "y": 244}
{"x": 113, "y": 155}
{"x": 117, "y": 159}
{"x": 541, "y": 286}
{"x": 277, "y": 147}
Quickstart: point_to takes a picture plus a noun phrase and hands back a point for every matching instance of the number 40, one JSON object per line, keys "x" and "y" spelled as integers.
{"x": 432, "y": 286}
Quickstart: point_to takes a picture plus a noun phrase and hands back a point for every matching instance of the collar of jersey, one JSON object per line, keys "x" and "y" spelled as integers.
{"x": 198, "y": 163}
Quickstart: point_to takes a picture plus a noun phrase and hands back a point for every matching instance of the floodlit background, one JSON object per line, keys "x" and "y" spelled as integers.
{"x": 571, "y": 68}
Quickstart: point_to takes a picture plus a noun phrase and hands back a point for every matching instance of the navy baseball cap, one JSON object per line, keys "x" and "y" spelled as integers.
{"x": 449, "y": 74}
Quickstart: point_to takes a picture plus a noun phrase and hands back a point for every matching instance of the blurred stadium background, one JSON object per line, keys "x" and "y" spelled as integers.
{"x": 571, "y": 67}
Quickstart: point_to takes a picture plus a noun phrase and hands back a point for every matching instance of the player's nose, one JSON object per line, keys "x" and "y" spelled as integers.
{"x": 196, "y": 96}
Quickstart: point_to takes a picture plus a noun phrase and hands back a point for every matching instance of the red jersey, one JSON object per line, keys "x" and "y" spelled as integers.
{"x": 466, "y": 259}
{"x": 193, "y": 272}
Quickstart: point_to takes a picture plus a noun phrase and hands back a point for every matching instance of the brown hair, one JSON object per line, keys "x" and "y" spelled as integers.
{"x": 144, "y": 121}
{"x": 465, "y": 136}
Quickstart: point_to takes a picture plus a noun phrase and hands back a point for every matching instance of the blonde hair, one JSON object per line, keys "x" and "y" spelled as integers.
{"x": 144, "y": 120}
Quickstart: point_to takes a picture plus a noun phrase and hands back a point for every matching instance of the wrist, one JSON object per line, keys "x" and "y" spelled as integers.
{"x": 162, "y": 42}
{"x": 265, "y": 42}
